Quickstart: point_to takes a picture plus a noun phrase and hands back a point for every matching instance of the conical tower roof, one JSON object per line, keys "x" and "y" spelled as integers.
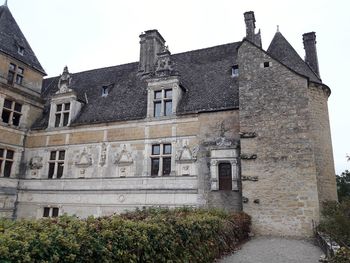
{"x": 281, "y": 50}
{"x": 14, "y": 43}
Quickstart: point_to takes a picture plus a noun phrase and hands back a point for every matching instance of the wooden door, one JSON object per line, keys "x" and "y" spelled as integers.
{"x": 225, "y": 176}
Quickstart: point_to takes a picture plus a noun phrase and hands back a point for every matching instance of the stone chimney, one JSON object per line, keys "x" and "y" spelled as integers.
{"x": 309, "y": 40}
{"x": 151, "y": 43}
{"x": 249, "y": 19}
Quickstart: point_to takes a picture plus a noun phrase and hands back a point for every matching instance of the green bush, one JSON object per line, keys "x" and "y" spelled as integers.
{"x": 147, "y": 235}
{"x": 336, "y": 223}
{"x": 336, "y": 220}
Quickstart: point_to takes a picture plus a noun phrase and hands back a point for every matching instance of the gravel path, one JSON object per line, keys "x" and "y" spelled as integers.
{"x": 275, "y": 250}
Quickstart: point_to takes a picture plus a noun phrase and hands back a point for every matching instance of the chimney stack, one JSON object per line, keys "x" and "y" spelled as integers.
{"x": 309, "y": 40}
{"x": 249, "y": 19}
{"x": 151, "y": 43}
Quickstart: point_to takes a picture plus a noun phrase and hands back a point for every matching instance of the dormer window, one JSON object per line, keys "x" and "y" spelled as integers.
{"x": 105, "y": 90}
{"x": 20, "y": 50}
{"x": 163, "y": 103}
{"x": 62, "y": 115}
{"x": 235, "y": 71}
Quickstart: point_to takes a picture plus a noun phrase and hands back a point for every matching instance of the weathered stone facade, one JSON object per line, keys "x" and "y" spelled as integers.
{"x": 231, "y": 126}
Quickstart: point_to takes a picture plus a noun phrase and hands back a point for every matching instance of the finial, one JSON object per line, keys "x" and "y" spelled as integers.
{"x": 5, "y": 4}
{"x": 278, "y": 28}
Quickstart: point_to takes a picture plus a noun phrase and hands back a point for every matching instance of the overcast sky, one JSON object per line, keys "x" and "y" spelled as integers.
{"x": 88, "y": 34}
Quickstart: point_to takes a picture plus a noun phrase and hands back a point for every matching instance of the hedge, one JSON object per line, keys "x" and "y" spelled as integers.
{"x": 147, "y": 235}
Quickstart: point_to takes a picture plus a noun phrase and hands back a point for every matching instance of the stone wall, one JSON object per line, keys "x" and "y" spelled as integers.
{"x": 326, "y": 183}
{"x": 278, "y": 162}
{"x": 95, "y": 180}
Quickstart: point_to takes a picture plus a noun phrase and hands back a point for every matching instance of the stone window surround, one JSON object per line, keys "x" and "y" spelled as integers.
{"x": 4, "y": 160}
{"x": 214, "y": 171}
{"x": 170, "y": 83}
{"x": 75, "y": 106}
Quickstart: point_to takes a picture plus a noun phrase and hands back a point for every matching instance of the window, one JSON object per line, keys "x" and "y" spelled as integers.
{"x": 15, "y": 74}
{"x": 6, "y": 162}
{"x": 235, "y": 71}
{"x": 56, "y": 164}
{"x": 19, "y": 76}
{"x": 104, "y": 91}
{"x": 11, "y": 112}
{"x": 20, "y": 50}
{"x": 267, "y": 64}
{"x": 163, "y": 103}
{"x": 62, "y": 115}
{"x": 51, "y": 212}
{"x": 161, "y": 159}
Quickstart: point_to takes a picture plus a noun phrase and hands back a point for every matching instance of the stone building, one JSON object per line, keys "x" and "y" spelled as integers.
{"x": 232, "y": 126}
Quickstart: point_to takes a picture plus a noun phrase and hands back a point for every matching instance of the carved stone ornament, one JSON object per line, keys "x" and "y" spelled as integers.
{"x": 124, "y": 157}
{"x": 36, "y": 163}
{"x": 223, "y": 142}
{"x": 64, "y": 82}
{"x": 186, "y": 155}
{"x": 84, "y": 159}
{"x": 164, "y": 66}
{"x": 103, "y": 155}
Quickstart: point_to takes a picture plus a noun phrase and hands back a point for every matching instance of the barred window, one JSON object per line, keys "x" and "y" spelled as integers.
{"x": 6, "y": 162}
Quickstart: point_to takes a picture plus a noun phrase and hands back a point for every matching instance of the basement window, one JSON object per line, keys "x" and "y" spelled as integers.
{"x": 267, "y": 64}
{"x": 51, "y": 212}
{"x": 235, "y": 71}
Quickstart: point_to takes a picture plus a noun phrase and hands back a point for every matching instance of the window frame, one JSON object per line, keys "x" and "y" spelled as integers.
{"x": 12, "y": 111}
{"x": 55, "y": 163}
{"x": 17, "y": 74}
{"x": 4, "y": 159}
{"x": 162, "y": 102}
{"x": 160, "y": 157}
{"x": 51, "y": 212}
{"x": 60, "y": 114}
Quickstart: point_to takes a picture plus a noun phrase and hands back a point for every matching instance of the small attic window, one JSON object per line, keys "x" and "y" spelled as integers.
{"x": 267, "y": 64}
{"x": 20, "y": 50}
{"x": 235, "y": 71}
{"x": 105, "y": 90}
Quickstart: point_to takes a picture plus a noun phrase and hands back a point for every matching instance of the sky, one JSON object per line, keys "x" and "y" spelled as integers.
{"x": 88, "y": 34}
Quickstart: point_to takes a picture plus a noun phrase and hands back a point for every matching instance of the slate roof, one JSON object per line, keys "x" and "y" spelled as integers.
{"x": 281, "y": 50}
{"x": 205, "y": 75}
{"x": 11, "y": 37}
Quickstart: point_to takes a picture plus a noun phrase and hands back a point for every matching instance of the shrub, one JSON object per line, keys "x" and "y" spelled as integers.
{"x": 336, "y": 220}
{"x": 147, "y": 235}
